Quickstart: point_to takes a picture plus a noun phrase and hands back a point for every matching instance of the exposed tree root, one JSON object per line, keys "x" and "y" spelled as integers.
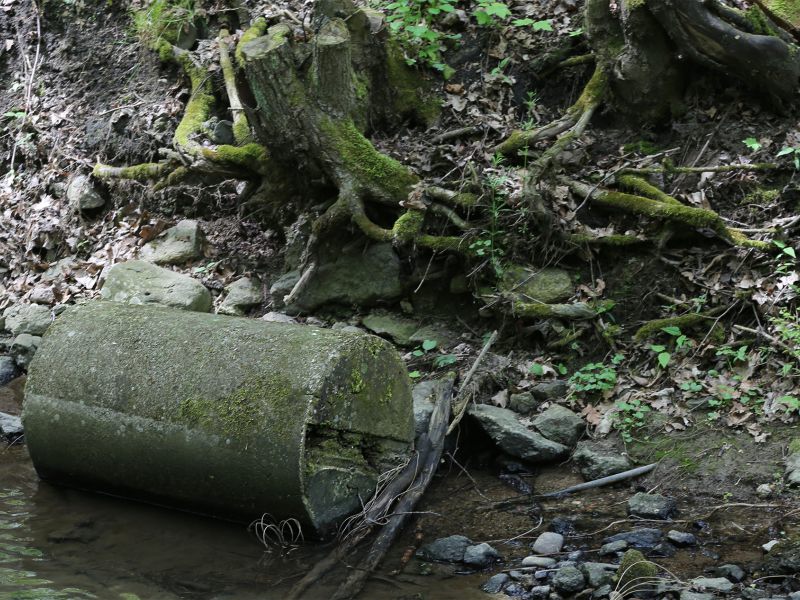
{"x": 677, "y": 213}
{"x": 683, "y": 321}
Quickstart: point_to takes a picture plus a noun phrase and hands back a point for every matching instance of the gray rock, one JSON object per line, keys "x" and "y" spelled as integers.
{"x": 23, "y": 348}
{"x": 10, "y": 427}
{"x": 731, "y": 572}
{"x": 282, "y": 286}
{"x": 522, "y": 403}
{"x": 448, "y": 549}
{"x": 243, "y": 293}
{"x": 8, "y": 369}
{"x": 444, "y": 337}
{"x": 613, "y": 547}
{"x": 604, "y": 591}
{"x": 569, "y": 580}
{"x": 713, "y": 584}
{"x": 794, "y": 596}
{"x": 598, "y": 574}
{"x": 398, "y": 329}
{"x": 276, "y": 317}
{"x": 537, "y": 285}
{"x": 139, "y": 282}
{"x": 595, "y": 462}
{"x": 751, "y": 593}
{"x": 784, "y": 558}
{"x": 793, "y": 468}
{"x": 560, "y": 424}
{"x": 28, "y": 318}
{"x": 550, "y": 390}
{"x": 543, "y": 562}
{"x": 176, "y": 245}
{"x": 514, "y": 590}
{"x": 219, "y": 131}
{"x": 681, "y": 538}
{"x": 359, "y": 278}
{"x": 42, "y": 295}
{"x": 539, "y": 592}
{"x": 495, "y": 583}
{"x": 513, "y": 437}
{"x": 480, "y": 555}
{"x": 548, "y": 543}
{"x": 664, "y": 549}
{"x": 689, "y": 595}
{"x": 642, "y": 538}
{"x": 82, "y": 195}
{"x": 651, "y": 506}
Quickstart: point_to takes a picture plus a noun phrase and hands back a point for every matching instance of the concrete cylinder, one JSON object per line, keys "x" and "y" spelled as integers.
{"x": 218, "y": 415}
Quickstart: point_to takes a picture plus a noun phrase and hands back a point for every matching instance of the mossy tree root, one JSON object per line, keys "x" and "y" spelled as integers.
{"x": 676, "y": 213}
{"x": 655, "y": 326}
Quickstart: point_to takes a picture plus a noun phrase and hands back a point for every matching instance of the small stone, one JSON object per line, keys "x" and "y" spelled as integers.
{"x": 664, "y": 549}
{"x": 562, "y": 525}
{"x": 613, "y": 547}
{"x": 42, "y": 295}
{"x": 604, "y": 591}
{"x": 764, "y": 490}
{"x": 689, "y": 595}
{"x": 713, "y": 584}
{"x": 575, "y": 555}
{"x": 398, "y": 329}
{"x": 242, "y": 294}
{"x": 681, "y": 538}
{"x": 176, "y": 245}
{"x": 595, "y": 462}
{"x": 496, "y": 583}
{"x": 541, "y": 574}
{"x": 448, "y": 549}
{"x": 514, "y": 590}
{"x": 82, "y": 195}
{"x": 140, "y": 282}
{"x": 651, "y": 506}
{"x": 643, "y": 537}
{"x": 282, "y": 286}
{"x": 769, "y": 545}
{"x": 10, "y": 427}
{"x": 543, "y": 562}
{"x": 539, "y": 592}
{"x": 569, "y": 580}
{"x": 480, "y": 555}
{"x": 550, "y": 390}
{"x": 523, "y": 403}
{"x": 28, "y": 318}
{"x": 548, "y": 543}
{"x": 598, "y": 574}
{"x": 732, "y": 572}
{"x": 560, "y": 424}
{"x": 278, "y": 317}
{"x": 23, "y": 348}
{"x": 752, "y": 593}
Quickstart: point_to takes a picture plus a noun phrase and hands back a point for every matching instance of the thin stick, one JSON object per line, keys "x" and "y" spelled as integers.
{"x": 602, "y": 481}
{"x": 460, "y": 404}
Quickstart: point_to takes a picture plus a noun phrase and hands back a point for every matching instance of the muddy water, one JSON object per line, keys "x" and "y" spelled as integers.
{"x": 58, "y": 543}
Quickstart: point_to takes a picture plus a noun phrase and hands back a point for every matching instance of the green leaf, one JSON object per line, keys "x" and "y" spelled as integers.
{"x": 546, "y": 25}
{"x": 657, "y": 348}
{"x": 428, "y": 345}
{"x": 785, "y": 151}
{"x": 790, "y": 252}
{"x": 752, "y": 143}
{"x": 672, "y": 330}
{"x": 522, "y": 22}
{"x": 575, "y": 32}
{"x": 663, "y": 359}
{"x": 415, "y": 374}
{"x": 499, "y": 10}
{"x": 536, "y": 369}
{"x": 444, "y": 360}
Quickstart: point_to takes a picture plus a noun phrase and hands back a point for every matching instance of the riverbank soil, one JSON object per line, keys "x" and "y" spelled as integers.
{"x": 618, "y": 202}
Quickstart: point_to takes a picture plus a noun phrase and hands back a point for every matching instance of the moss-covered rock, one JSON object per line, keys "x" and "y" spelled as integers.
{"x": 537, "y": 285}
{"x": 635, "y": 573}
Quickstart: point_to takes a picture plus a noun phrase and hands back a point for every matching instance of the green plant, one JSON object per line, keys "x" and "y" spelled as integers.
{"x": 752, "y": 143}
{"x": 794, "y": 152}
{"x": 490, "y": 12}
{"x": 679, "y": 343}
{"x": 444, "y": 360}
{"x": 489, "y": 243}
{"x": 164, "y": 20}
{"x": 631, "y": 415}
{"x": 596, "y": 378}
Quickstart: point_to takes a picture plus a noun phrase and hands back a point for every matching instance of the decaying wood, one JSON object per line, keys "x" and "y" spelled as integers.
{"x": 601, "y": 482}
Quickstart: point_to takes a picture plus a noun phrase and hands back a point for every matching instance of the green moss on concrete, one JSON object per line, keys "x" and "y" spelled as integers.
{"x": 257, "y": 29}
{"x": 372, "y": 169}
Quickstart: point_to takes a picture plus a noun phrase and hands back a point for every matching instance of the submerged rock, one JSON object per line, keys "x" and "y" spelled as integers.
{"x": 784, "y": 558}
{"x": 644, "y": 537}
{"x": 513, "y": 437}
{"x": 176, "y": 245}
{"x": 681, "y": 538}
{"x": 496, "y": 583}
{"x": 447, "y": 549}
{"x": 713, "y": 584}
{"x": 480, "y": 555}
{"x": 548, "y": 543}
{"x": 569, "y": 580}
{"x": 543, "y": 562}
{"x": 8, "y": 369}
{"x": 139, "y": 282}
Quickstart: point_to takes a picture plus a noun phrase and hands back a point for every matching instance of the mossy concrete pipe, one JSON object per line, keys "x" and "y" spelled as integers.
{"x": 219, "y": 415}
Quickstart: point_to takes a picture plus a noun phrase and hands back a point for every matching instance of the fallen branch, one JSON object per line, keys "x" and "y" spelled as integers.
{"x": 600, "y": 482}
{"x": 461, "y": 401}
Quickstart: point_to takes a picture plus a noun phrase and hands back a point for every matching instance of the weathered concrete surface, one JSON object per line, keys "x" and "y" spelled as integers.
{"x": 220, "y": 415}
